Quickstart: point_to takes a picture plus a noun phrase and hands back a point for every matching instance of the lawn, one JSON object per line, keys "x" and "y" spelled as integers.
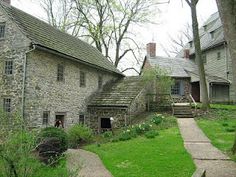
{"x": 163, "y": 156}
{"x": 219, "y": 125}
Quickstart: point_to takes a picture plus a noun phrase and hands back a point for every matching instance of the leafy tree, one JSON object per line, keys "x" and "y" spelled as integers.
{"x": 107, "y": 24}
{"x": 227, "y": 11}
{"x": 198, "y": 55}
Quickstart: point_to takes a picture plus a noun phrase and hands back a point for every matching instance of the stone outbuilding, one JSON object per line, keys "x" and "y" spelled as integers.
{"x": 117, "y": 105}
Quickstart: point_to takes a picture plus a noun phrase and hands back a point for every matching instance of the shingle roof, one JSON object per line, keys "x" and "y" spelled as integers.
{"x": 119, "y": 95}
{"x": 177, "y": 67}
{"x": 213, "y": 24}
{"x": 45, "y": 35}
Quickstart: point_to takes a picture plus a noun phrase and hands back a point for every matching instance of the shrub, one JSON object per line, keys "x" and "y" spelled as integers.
{"x": 225, "y": 124}
{"x": 151, "y": 134}
{"x": 53, "y": 132}
{"x": 107, "y": 134}
{"x": 157, "y": 119}
{"x": 78, "y": 134}
{"x": 142, "y": 128}
{"x": 230, "y": 129}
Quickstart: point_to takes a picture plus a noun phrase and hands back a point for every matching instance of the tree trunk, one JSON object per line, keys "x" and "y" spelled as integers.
{"x": 198, "y": 56}
{"x": 227, "y": 11}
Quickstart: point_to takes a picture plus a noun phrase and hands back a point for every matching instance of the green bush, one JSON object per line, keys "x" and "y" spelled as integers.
{"x": 225, "y": 124}
{"x": 142, "y": 128}
{"x": 230, "y": 129}
{"x": 107, "y": 134}
{"x": 157, "y": 119}
{"x": 79, "y": 134}
{"x": 53, "y": 132}
{"x": 151, "y": 134}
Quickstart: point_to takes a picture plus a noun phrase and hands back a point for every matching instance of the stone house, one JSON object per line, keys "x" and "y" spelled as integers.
{"x": 47, "y": 74}
{"x": 217, "y": 61}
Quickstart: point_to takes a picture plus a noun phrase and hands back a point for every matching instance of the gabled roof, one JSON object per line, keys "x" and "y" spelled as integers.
{"x": 44, "y": 35}
{"x": 212, "y": 25}
{"x": 119, "y": 95}
{"x": 176, "y": 67}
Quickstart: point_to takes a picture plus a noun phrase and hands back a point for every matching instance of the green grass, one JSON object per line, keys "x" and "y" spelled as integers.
{"x": 219, "y": 126}
{"x": 163, "y": 156}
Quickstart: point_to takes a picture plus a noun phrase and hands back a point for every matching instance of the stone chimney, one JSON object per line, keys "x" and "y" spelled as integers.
{"x": 7, "y": 1}
{"x": 151, "y": 49}
{"x": 186, "y": 53}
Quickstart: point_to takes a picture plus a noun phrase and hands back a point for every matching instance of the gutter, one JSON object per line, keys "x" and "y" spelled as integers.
{"x": 38, "y": 46}
{"x": 24, "y": 79}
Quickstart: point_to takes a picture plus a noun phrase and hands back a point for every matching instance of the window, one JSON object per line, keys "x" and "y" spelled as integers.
{"x": 81, "y": 119}
{"x": 99, "y": 82}
{"x": 175, "y": 89}
{"x": 60, "y": 72}
{"x": 218, "y": 55}
{"x": 2, "y": 30}
{"x": 204, "y": 59}
{"x": 8, "y": 67}
{"x": 7, "y": 104}
{"x": 191, "y": 44}
{"x": 205, "y": 27}
{"x": 212, "y": 34}
{"x": 45, "y": 117}
{"x": 82, "y": 79}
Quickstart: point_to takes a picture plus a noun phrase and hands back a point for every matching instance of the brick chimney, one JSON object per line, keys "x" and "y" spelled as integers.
{"x": 186, "y": 53}
{"x": 7, "y": 1}
{"x": 151, "y": 49}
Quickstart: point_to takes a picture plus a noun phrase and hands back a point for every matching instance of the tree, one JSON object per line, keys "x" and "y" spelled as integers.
{"x": 198, "y": 55}
{"x": 105, "y": 23}
{"x": 227, "y": 11}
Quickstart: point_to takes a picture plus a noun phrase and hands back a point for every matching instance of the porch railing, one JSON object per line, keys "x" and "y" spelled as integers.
{"x": 194, "y": 103}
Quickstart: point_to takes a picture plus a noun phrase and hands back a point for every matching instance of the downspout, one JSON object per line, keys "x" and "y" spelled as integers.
{"x": 24, "y": 79}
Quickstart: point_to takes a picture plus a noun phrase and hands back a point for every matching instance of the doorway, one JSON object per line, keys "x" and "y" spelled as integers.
{"x": 60, "y": 117}
{"x": 195, "y": 91}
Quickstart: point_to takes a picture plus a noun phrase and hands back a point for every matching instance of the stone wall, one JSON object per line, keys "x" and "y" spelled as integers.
{"x": 45, "y": 93}
{"x": 12, "y": 47}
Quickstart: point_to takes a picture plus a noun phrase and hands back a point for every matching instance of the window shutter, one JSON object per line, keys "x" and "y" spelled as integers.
{"x": 181, "y": 87}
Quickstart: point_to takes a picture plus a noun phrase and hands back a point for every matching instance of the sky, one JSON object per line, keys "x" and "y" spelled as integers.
{"x": 171, "y": 19}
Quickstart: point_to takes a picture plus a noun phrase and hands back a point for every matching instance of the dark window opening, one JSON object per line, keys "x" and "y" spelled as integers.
{"x": 191, "y": 44}
{"x": 7, "y": 104}
{"x": 81, "y": 119}
{"x": 45, "y": 117}
{"x": 175, "y": 89}
{"x": 60, "y": 73}
{"x": 218, "y": 55}
{"x": 2, "y": 30}
{"x": 9, "y": 67}
{"x": 105, "y": 123}
{"x": 212, "y": 34}
{"x": 99, "y": 82}
{"x": 82, "y": 79}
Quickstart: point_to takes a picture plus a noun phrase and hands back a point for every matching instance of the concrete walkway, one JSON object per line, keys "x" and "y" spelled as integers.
{"x": 203, "y": 153}
{"x": 89, "y": 164}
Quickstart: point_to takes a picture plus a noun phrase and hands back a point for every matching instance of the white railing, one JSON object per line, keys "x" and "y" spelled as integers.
{"x": 194, "y": 102}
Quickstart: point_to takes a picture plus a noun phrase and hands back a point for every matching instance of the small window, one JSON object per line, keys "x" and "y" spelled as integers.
{"x": 2, "y": 30}
{"x": 7, "y": 104}
{"x": 99, "y": 82}
{"x": 191, "y": 44}
{"x": 9, "y": 67}
{"x": 204, "y": 59}
{"x": 218, "y": 55}
{"x": 45, "y": 117}
{"x": 82, "y": 79}
{"x": 205, "y": 27}
{"x": 175, "y": 89}
{"x": 60, "y": 73}
{"x": 81, "y": 119}
{"x": 212, "y": 34}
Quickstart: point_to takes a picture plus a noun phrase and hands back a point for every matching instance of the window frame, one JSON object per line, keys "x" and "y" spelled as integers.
{"x": 2, "y": 30}
{"x": 100, "y": 81}
{"x": 46, "y": 118}
{"x": 8, "y": 67}
{"x": 82, "y": 79}
{"x": 60, "y": 73}
{"x": 7, "y": 104}
{"x": 175, "y": 89}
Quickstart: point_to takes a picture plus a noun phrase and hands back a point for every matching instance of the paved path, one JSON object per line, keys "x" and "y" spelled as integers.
{"x": 89, "y": 163}
{"x": 203, "y": 153}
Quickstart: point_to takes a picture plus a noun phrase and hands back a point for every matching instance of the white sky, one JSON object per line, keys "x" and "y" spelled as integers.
{"x": 170, "y": 21}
